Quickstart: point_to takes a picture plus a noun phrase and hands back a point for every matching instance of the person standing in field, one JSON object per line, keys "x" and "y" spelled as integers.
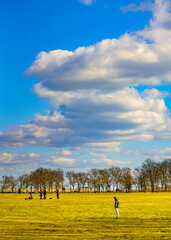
{"x": 44, "y": 193}
{"x": 116, "y": 205}
{"x": 40, "y": 194}
{"x": 57, "y": 192}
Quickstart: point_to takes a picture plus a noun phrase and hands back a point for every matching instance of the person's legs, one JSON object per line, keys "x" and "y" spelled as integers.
{"x": 117, "y": 212}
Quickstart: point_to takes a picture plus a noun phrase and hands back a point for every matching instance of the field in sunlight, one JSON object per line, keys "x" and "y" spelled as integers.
{"x": 86, "y": 216}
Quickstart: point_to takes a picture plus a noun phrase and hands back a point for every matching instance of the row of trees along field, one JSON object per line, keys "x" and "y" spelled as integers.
{"x": 151, "y": 176}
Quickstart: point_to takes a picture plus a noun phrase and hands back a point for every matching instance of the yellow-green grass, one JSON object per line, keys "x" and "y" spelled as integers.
{"x": 86, "y": 216}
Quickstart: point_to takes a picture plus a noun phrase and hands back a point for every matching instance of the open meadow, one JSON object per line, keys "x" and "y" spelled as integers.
{"x": 86, "y": 216}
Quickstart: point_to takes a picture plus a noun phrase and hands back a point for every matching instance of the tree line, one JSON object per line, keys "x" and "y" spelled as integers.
{"x": 150, "y": 176}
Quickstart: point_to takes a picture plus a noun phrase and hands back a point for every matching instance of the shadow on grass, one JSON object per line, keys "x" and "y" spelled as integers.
{"x": 88, "y": 228}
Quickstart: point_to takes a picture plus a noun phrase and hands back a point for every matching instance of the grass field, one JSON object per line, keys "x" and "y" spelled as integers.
{"x": 86, "y": 216}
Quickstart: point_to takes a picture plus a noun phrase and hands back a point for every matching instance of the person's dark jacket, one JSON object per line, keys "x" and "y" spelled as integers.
{"x": 116, "y": 203}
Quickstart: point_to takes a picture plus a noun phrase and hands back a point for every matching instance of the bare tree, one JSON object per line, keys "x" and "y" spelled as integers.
{"x": 71, "y": 179}
{"x": 1, "y": 185}
{"x": 4, "y": 183}
{"x": 11, "y": 182}
{"x": 165, "y": 170}
{"x": 80, "y": 178}
{"x": 39, "y": 178}
{"x": 50, "y": 179}
{"x": 116, "y": 176}
{"x": 20, "y": 181}
{"x": 169, "y": 170}
{"x": 127, "y": 179}
{"x": 95, "y": 179}
{"x": 141, "y": 179}
{"x": 89, "y": 182}
{"x": 83, "y": 179}
{"x": 105, "y": 179}
{"x": 58, "y": 178}
{"x": 26, "y": 181}
{"x": 157, "y": 175}
{"x": 149, "y": 169}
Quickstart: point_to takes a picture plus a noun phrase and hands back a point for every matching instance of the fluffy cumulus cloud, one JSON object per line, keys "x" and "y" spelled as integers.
{"x": 34, "y": 160}
{"x": 62, "y": 161}
{"x": 103, "y": 159}
{"x": 15, "y": 162}
{"x": 104, "y": 146}
{"x": 93, "y": 92}
{"x": 109, "y": 65}
{"x": 162, "y": 15}
{"x": 158, "y": 154}
{"x": 16, "y": 159}
{"x": 159, "y": 30}
{"x": 96, "y": 120}
{"x": 143, "y": 6}
{"x": 113, "y": 63}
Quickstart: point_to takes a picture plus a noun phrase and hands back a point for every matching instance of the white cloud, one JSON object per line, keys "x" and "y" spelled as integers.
{"x": 97, "y": 120}
{"x": 92, "y": 90}
{"x": 161, "y": 14}
{"x": 18, "y": 164}
{"x": 63, "y": 161}
{"x": 102, "y": 159}
{"x": 66, "y": 153}
{"x": 104, "y": 146}
{"x": 143, "y": 6}
{"x": 109, "y": 65}
{"x": 158, "y": 154}
{"x": 33, "y": 159}
{"x": 33, "y": 155}
{"x": 10, "y": 159}
{"x": 159, "y": 30}
{"x": 87, "y": 2}
{"x": 52, "y": 120}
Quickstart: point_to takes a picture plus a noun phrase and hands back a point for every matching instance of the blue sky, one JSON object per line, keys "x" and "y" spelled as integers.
{"x": 84, "y": 84}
